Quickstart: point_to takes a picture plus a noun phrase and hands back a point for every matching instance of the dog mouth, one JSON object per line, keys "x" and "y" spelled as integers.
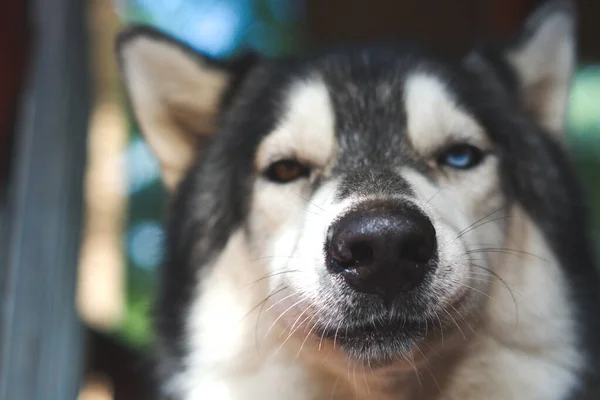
{"x": 380, "y": 330}
{"x": 387, "y": 339}
{"x": 378, "y": 343}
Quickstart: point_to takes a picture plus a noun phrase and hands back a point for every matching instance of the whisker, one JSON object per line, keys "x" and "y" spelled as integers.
{"x": 280, "y": 300}
{"x": 270, "y": 275}
{"x": 364, "y": 374}
{"x": 262, "y": 302}
{"x": 476, "y": 290}
{"x": 428, "y": 366}
{"x": 477, "y": 279}
{"x": 491, "y": 274}
{"x": 512, "y": 292}
{"x": 311, "y": 203}
{"x": 292, "y": 332}
{"x": 307, "y": 336}
{"x": 348, "y": 372}
{"x": 463, "y": 318}
{"x": 479, "y": 220}
{"x": 414, "y": 367}
{"x": 336, "y": 333}
{"x": 323, "y": 334}
{"x": 482, "y": 224}
{"x": 504, "y": 251}
{"x": 260, "y": 313}
{"x": 269, "y": 257}
{"x": 335, "y": 384}
{"x": 437, "y": 316}
{"x": 294, "y": 328}
{"x": 312, "y": 212}
{"x": 283, "y": 313}
{"x": 433, "y": 350}
{"x": 298, "y": 327}
{"x": 354, "y": 376}
{"x": 456, "y": 323}
{"x": 436, "y": 193}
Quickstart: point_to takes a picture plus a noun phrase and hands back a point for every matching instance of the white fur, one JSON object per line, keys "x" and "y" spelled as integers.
{"x": 526, "y": 350}
{"x": 225, "y": 361}
{"x": 306, "y": 130}
{"x": 174, "y": 97}
{"x": 237, "y": 353}
{"x": 545, "y": 64}
{"x": 433, "y": 117}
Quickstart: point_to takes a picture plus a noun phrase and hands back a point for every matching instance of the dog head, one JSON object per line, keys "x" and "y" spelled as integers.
{"x": 372, "y": 184}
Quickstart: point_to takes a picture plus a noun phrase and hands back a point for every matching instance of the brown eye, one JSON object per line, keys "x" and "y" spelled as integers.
{"x": 284, "y": 171}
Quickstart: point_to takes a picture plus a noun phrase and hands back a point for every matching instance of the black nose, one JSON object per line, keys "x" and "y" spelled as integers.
{"x": 382, "y": 247}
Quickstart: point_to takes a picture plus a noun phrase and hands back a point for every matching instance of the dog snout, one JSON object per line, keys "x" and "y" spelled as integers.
{"x": 383, "y": 248}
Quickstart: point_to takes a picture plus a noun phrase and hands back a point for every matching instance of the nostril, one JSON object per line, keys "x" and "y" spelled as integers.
{"x": 340, "y": 252}
{"x": 419, "y": 250}
{"x": 362, "y": 254}
{"x": 350, "y": 255}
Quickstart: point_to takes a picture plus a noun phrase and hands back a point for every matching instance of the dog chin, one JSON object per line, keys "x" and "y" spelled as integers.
{"x": 380, "y": 344}
{"x": 385, "y": 341}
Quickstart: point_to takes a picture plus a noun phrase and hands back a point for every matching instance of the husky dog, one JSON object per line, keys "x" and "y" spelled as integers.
{"x": 370, "y": 223}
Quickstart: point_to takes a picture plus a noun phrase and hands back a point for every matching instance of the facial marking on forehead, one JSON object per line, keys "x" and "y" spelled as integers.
{"x": 366, "y": 183}
{"x": 306, "y": 128}
{"x": 433, "y": 117}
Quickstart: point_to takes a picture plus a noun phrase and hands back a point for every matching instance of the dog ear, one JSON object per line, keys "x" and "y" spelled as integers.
{"x": 177, "y": 94}
{"x": 538, "y": 64}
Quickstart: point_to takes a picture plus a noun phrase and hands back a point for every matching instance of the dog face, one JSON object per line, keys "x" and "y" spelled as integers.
{"x": 363, "y": 195}
{"x": 371, "y": 186}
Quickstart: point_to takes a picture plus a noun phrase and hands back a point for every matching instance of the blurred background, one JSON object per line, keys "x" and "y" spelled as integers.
{"x": 81, "y": 202}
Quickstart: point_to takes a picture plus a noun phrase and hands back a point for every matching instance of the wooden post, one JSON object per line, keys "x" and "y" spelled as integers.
{"x": 41, "y": 337}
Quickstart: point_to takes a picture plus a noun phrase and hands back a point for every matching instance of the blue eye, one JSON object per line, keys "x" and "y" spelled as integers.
{"x": 462, "y": 156}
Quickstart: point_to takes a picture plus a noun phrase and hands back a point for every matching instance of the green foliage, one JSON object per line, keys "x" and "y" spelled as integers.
{"x": 584, "y": 136}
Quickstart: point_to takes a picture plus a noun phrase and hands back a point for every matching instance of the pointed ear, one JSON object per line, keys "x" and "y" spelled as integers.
{"x": 539, "y": 63}
{"x": 177, "y": 94}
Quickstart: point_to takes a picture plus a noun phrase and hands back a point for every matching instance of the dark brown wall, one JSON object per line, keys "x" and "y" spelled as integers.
{"x": 14, "y": 41}
{"x": 589, "y": 29}
{"x": 451, "y": 25}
